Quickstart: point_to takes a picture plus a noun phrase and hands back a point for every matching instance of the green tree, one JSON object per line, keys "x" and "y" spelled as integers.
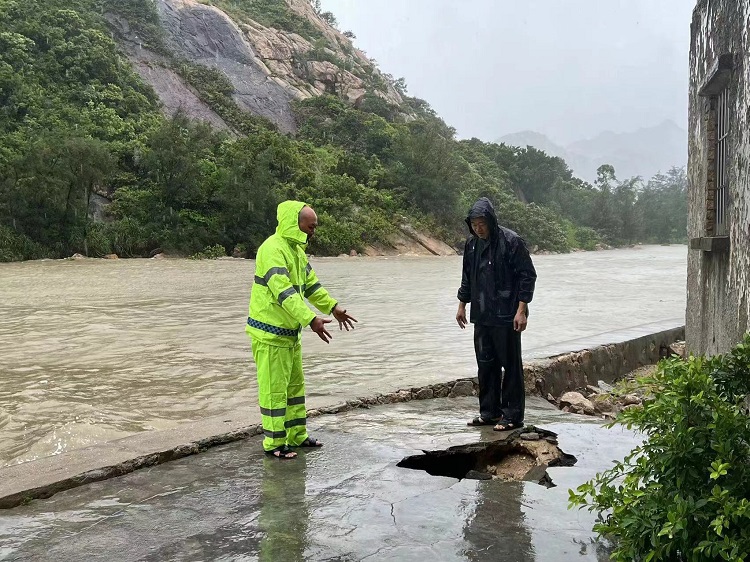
{"x": 628, "y": 220}
{"x": 534, "y": 174}
{"x": 427, "y": 168}
{"x": 603, "y": 217}
{"x": 663, "y": 205}
{"x": 50, "y": 195}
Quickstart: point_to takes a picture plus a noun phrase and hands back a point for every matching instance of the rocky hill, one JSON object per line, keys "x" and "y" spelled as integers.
{"x": 267, "y": 67}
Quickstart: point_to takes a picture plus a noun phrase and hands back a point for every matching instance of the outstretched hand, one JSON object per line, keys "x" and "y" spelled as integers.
{"x": 318, "y": 325}
{"x": 344, "y": 319}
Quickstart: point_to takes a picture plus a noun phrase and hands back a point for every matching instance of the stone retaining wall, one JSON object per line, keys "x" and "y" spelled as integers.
{"x": 609, "y": 363}
{"x": 554, "y": 375}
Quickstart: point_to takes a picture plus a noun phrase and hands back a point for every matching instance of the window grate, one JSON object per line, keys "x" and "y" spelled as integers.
{"x": 722, "y": 163}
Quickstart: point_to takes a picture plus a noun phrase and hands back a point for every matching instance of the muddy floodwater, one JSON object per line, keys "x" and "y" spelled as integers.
{"x": 94, "y": 350}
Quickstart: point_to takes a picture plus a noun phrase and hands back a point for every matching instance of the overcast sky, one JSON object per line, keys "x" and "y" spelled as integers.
{"x": 566, "y": 68}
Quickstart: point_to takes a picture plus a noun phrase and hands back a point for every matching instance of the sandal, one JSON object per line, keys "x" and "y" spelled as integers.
{"x": 283, "y": 453}
{"x": 506, "y": 425}
{"x": 310, "y": 442}
{"x": 478, "y": 421}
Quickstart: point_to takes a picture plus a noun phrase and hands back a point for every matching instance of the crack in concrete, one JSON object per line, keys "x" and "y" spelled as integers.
{"x": 434, "y": 490}
{"x": 378, "y": 551}
{"x": 409, "y": 498}
{"x": 101, "y": 520}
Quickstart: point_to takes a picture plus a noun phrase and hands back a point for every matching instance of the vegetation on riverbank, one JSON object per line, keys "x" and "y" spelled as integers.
{"x": 78, "y": 128}
{"x": 683, "y": 494}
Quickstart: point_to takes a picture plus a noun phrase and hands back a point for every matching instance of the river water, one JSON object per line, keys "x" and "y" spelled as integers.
{"x": 94, "y": 350}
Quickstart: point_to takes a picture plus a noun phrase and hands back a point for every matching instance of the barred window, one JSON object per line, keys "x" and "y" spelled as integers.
{"x": 722, "y": 163}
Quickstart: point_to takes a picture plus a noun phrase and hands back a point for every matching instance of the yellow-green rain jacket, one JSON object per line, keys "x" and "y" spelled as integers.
{"x": 283, "y": 279}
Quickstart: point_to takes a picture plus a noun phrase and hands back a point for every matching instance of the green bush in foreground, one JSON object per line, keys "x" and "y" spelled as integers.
{"x": 683, "y": 494}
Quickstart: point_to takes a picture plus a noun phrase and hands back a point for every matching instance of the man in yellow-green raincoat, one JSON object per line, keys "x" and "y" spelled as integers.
{"x": 278, "y": 313}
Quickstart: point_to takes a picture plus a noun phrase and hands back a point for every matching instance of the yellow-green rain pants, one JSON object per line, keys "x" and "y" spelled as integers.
{"x": 281, "y": 394}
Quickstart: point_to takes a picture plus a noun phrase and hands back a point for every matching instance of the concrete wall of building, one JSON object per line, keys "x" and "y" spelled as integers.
{"x": 718, "y": 304}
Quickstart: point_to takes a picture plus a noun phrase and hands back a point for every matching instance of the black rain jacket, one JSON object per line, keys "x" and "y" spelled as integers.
{"x": 497, "y": 278}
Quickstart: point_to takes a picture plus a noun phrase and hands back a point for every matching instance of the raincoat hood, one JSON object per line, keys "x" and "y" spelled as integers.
{"x": 287, "y": 214}
{"x": 483, "y": 209}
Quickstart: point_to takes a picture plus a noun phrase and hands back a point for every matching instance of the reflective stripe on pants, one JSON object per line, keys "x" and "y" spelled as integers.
{"x": 281, "y": 394}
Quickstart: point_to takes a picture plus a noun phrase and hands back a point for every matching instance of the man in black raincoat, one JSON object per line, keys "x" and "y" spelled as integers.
{"x": 498, "y": 281}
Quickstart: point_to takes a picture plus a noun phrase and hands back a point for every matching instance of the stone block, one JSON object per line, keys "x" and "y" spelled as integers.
{"x": 577, "y": 403}
{"x": 462, "y": 388}
{"x": 441, "y": 390}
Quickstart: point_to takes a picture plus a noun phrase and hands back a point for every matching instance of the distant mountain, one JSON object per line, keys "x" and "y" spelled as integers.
{"x": 640, "y": 153}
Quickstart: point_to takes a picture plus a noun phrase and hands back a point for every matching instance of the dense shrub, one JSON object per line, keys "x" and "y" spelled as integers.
{"x": 684, "y": 494}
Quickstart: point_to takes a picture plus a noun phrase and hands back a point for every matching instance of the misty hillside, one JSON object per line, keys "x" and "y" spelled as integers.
{"x": 133, "y": 127}
{"x": 644, "y": 152}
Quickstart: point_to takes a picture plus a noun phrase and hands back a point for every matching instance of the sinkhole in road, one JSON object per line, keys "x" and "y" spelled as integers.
{"x": 523, "y": 454}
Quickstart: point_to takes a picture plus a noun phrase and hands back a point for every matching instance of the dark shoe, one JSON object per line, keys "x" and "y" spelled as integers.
{"x": 283, "y": 452}
{"x": 476, "y": 422}
{"x": 310, "y": 442}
